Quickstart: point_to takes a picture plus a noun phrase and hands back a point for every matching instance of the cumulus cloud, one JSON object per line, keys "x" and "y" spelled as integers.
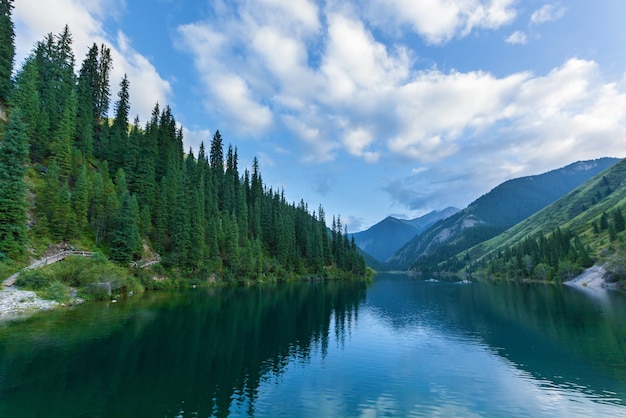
{"x": 435, "y": 109}
{"x": 439, "y": 21}
{"x": 547, "y": 13}
{"x": 277, "y": 84}
{"x": 535, "y": 123}
{"x": 35, "y": 19}
{"x": 324, "y": 76}
{"x": 517, "y": 38}
{"x": 357, "y": 141}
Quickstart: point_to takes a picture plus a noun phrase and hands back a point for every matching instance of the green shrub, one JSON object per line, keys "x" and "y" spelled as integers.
{"x": 55, "y": 291}
{"x": 34, "y": 279}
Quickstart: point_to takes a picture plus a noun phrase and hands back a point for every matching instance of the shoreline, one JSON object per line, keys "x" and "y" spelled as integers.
{"x": 592, "y": 281}
{"x": 16, "y": 303}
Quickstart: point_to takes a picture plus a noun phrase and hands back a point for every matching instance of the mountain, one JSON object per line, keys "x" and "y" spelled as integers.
{"x": 493, "y": 213}
{"x": 576, "y": 211}
{"x": 382, "y": 240}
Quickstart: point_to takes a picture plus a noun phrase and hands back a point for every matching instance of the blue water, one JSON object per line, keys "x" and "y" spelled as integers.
{"x": 397, "y": 347}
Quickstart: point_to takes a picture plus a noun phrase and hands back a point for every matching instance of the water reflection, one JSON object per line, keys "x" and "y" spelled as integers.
{"x": 559, "y": 337}
{"x": 399, "y": 348}
{"x": 199, "y": 352}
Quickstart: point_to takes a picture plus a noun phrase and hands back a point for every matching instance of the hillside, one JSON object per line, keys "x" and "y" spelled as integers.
{"x": 71, "y": 173}
{"x": 576, "y": 211}
{"x": 492, "y": 213}
{"x": 382, "y": 240}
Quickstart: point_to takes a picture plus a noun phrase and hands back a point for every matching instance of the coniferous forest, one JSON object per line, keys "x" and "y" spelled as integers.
{"x": 70, "y": 172}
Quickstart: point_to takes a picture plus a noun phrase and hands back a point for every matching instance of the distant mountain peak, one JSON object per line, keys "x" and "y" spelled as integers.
{"x": 383, "y": 239}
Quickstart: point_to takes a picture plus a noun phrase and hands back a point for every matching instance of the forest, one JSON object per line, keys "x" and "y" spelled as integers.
{"x": 557, "y": 256}
{"x": 71, "y": 173}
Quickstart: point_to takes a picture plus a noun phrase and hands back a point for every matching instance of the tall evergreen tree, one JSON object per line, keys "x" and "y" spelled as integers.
{"x": 7, "y": 49}
{"x": 80, "y": 200}
{"x": 124, "y": 234}
{"x": 118, "y": 135}
{"x": 618, "y": 220}
{"x": 93, "y": 99}
{"x": 13, "y": 159}
{"x": 216, "y": 160}
{"x": 27, "y": 97}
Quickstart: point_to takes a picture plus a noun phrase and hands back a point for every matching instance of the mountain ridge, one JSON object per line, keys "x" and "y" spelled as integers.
{"x": 504, "y": 206}
{"x": 384, "y": 238}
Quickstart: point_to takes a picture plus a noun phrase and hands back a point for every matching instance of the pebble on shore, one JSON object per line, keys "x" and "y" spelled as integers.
{"x": 15, "y": 302}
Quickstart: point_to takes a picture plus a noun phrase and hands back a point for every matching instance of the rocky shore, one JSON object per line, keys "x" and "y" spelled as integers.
{"x": 15, "y": 303}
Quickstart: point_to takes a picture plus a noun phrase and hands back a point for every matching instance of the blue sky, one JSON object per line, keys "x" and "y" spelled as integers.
{"x": 370, "y": 108}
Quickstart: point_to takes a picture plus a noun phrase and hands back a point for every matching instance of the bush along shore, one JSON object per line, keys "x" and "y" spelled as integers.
{"x": 77, "y": 279}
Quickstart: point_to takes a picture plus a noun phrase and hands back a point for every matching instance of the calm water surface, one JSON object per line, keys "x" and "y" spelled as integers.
{"x": 397, "y": 347}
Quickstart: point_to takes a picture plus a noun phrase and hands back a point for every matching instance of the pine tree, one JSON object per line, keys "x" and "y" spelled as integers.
{"x": 28, "y": 98}
{"x": 61, "y": 146}
{"x": 216, "y": 160}
{"x": 7, "y": 49}
{"x": 118, "y": 135}
{"x": 13, "y": 159}
{"x": 80, "y": 200}
{"x": 124, "y": 234}
{"x": 618, "y": 220}
{"x": 93, "y": 98}
{"x": 604, "y": 221}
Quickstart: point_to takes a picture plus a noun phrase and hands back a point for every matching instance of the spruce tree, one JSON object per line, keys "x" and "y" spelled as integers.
{"x": 13, "y": 159}
{"x": 93, "y": 98}
{"x": 124, "y": 235}
{"x": 7, "y": 49}
{"x": 80, "y": 200}
{"x": 28, "y": 98}
{"x": 118, "y": 135}
{"x": 618, "y": 220}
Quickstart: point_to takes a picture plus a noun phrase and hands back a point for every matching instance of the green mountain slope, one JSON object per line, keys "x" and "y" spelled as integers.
{"x": 576, "y": 211}
{"x": 491, "y": 214}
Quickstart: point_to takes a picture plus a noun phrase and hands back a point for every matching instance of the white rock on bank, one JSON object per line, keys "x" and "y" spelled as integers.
{"x": 14, "y": 302}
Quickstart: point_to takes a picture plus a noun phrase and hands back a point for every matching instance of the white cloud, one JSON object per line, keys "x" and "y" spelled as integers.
{"x": 300, "y": 15}
{"x": 528, "y": 125}
{"x": 354, "y": 61}
{"x": 146, "y": 85}
{"x": 439, "y": 21}
{"x": 321, "y": 148}
{"x": 423, "y": 116}
{"x": 357, "y": 141}
{"x": 517, "y": 38}
{"x": 35, "y": 19}
{"x": 435, "y": 109}
{"x": 547, "y": 13}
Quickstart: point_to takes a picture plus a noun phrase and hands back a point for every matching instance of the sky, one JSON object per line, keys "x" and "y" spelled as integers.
{"x": 369, "y": 108}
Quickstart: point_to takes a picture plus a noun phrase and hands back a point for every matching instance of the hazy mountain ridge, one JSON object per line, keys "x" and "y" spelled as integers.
{"x": 492, "y": 213}
{"x": 383, "y": 239}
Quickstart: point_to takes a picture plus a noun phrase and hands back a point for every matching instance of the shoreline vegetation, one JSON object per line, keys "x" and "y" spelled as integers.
{"x": 45, "y": 285}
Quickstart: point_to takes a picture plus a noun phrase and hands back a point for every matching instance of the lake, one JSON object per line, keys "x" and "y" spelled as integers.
{"x": 394, "y": 347}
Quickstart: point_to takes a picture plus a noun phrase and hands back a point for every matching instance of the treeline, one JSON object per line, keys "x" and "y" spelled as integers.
{"x": 558, "y": 256}
{"x": 126, "y": 187}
